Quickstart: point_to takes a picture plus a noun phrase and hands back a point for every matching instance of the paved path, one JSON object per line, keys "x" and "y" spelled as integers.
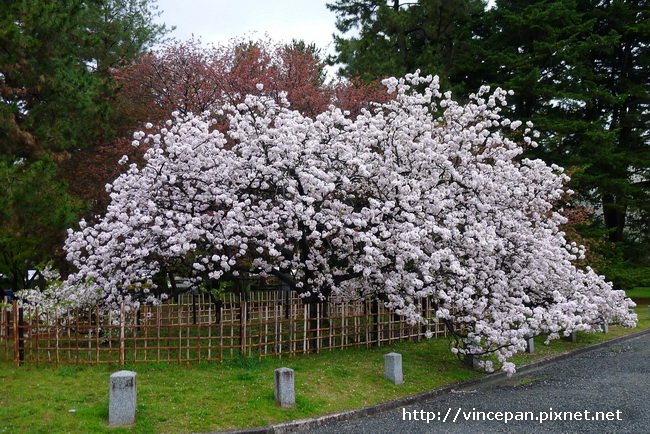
{"x": 615, "y": 378}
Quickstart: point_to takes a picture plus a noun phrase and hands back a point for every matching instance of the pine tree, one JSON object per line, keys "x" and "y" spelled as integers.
{"x": 55, "y": 60}
{"x": 57, "y": 96}
{"x": 397, "y": 37}
{"x": 580, "y": 70}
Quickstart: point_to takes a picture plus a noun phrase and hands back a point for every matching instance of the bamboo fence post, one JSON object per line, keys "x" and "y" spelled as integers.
{"x": 180, "y": 334}
{"x": 32, "y": 348}
{"x": 146, "y": 331}
{"x": 278, "y": 321}
{"x": 49, "y": 332}
{"x": 15, "y": 332}
{"x": 158, "y": 315}
{"x": 67, "y": 323}
{"x": 221, "y": 333}
{"x": 4, "y": 332}
{"x": 304, "y": 329}
{"x": 291, "y": 328}
{"x": 368, "y": 322}
{"x": 97, "y": 331}
{"x": 242, "y": 326}
{"x": 232, "y": 329}
{"x": 21, "y": 335}
{"x": 56, "y": 328}
{"x": 266, "y": 329}
{"x": 122, "y": 326}
{"x": 318, "y": 311}
{"x": 76, "y": 336}
{"x": 209, "y": 331}
{"x": 187, "y": 328}
{"x": 330, "y": 324}
{"x": 357, "y": 334}
{"x": 109, "y": 328}
{"x": 344, "y": 326}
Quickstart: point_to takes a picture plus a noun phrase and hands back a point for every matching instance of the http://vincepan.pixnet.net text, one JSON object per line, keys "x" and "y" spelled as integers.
{"x": 459, "y": 414}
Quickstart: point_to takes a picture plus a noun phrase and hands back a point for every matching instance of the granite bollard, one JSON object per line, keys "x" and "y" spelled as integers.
{"x": 604, "y": 327}
{"x": 393, "y": 368}
{"x": 122, "y": 398}
{"x": 530, "y": 344}
{"x": 574, "y": 336}
{"x": 285, "y": 395}
{"x": 472, "y": 361}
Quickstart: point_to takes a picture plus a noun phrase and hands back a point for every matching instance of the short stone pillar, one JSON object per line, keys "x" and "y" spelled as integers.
{"x": 122, "y": 398}
{"x": 574, "y": 336}
{"x": 393, "y": 368}
{"x": 472, "y": 361}
{"x": 530, "y": 344}
{"x": 605, "y": 327}
{"x": 285, "y": 395}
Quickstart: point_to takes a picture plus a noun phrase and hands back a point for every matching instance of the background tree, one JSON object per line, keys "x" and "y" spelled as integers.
{"x": 190, "y": 77}
{"x": 55, "y": 59}
{"x": 35, "y": 211}
{"x": 397, "y": 37}
{"x": 57, "y": 96}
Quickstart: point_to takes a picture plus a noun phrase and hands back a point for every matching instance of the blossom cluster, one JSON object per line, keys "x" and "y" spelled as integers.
{"x": 420, "y": 197}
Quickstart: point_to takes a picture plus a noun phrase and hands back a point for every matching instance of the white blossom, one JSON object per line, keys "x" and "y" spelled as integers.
{"x": 400, "y": 203}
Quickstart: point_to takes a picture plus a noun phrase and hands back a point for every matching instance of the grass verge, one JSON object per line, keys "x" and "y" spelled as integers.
{"x": 239, "y": 393}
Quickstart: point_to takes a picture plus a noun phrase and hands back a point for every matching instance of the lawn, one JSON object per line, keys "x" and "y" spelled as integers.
{"x": 239, "y": 393}
{"x": 639, "y": 292}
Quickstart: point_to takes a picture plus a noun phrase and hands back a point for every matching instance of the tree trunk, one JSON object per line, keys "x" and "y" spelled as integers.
{"x": 614, "y": 214}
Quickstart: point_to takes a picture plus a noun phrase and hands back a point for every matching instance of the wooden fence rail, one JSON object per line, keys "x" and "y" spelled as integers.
{"x": 195, "y": 328}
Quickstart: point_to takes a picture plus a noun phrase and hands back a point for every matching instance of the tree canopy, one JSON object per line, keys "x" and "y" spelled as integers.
{"x": 419, "y": 197}
{"x": 57, "y": 96}
{"x": 581, "y": 71}
{"x": 397, "y": 37}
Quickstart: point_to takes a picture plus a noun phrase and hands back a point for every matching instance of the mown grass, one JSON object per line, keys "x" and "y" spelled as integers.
{"x": 639, "y": 292}
{"x": 238, "y": 393}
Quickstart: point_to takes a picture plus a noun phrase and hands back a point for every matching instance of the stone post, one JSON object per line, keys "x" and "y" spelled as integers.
{"x": 530, "y": 344}
{"x": 122, "y": 398}
{"x": 472, "y": 361}
{"x": 393, "y": 368}
{"x": 574, "y": 336}
{"x": 605, "y": 327}
{"x": 285, "y": 395}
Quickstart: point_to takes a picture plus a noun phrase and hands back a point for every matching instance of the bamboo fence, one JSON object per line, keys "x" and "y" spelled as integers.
{"x": 196, "y": 328}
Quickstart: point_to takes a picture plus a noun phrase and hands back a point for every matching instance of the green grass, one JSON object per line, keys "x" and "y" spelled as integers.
{"x": 237, "y": 393}
{"x": 639, "y": 292}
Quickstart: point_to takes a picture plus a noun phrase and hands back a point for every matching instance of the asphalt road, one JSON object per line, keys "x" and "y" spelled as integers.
{"x": 613, "y": 380}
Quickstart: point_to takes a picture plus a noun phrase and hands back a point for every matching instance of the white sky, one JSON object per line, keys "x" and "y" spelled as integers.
{"x": 218, "y": 21}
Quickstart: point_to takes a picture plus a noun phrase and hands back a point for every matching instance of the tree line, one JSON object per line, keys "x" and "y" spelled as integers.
{"x": 78, "y": 77}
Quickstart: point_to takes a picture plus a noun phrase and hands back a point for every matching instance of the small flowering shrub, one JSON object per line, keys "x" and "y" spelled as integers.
{"x": 419, "y": 197}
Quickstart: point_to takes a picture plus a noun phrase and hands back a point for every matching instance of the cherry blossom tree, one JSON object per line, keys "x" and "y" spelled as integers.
{"x": 190, "y": 77}
{"x": 418, "y": 197}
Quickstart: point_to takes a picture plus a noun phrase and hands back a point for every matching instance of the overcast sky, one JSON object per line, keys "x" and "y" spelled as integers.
{"x": 218, "y": 21}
